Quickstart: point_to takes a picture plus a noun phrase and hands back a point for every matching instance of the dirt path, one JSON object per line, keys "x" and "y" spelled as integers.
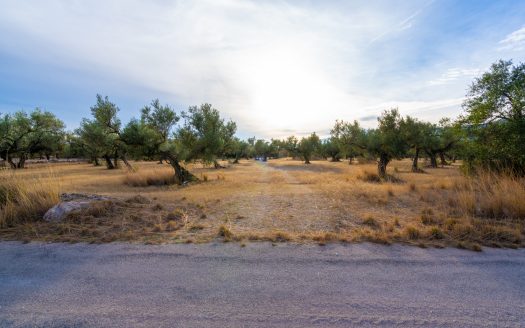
{"x": 224, "y": 285}
{"x": 294, "y": 207}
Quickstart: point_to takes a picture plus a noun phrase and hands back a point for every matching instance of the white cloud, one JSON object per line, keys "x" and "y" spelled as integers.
{"x": 274, "y": 67}
{"x": 453, "y": 74}
{"x": 514, "y": 41}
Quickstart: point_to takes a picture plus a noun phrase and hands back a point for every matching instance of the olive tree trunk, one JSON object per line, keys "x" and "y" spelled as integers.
{"x": 125, "y": 160}
{"x": 442, "y": 159}
{"x": 109, "y": 163}
{"x": 182, "y": 176}
{"x": 306, "y": 159}
{"x": 216, "y": 165}
{"x": 433, "y": 161}
{"x": 415, "y": 168}
{"x": 381, "y": 165}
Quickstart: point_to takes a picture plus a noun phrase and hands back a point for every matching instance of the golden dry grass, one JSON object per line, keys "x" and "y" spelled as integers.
{"x": 285, "y": 200}
{"x": 26, "y": 199}
{"x": 156, "y": 177}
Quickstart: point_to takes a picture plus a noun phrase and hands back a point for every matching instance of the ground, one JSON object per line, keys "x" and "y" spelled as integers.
{"x": 260, "y": 285}
{"x": 280, "y": 200}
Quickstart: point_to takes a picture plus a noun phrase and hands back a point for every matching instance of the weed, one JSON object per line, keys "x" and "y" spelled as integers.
{"x": 173, "y": 225}
{"x": 412, "y": 232}
{"x": 177, "y": 214}
{"x": 226, "y": 233}
{"x": 158, "y": 228}
{"x": 436, "y": 233}
{"x": 371, "y": 222}
{"x": 196, "y": 227}
{"x": 427, "y": 216}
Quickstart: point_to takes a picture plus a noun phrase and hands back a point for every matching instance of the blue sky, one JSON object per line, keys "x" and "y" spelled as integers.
{"x": 275, "y": 67}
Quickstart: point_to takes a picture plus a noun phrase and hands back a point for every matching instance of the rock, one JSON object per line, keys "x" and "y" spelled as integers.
{"x": 67, "y": 197}
{"x": 71, "y": 202}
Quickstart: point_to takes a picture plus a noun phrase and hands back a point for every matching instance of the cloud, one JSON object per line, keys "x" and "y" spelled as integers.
{"x": 514, "y": 41}
{"x": 368, "y": 118}
{"x": 402, "y": 25}
{"x": 272, "y": 66}
{"x": 453, "y": 74}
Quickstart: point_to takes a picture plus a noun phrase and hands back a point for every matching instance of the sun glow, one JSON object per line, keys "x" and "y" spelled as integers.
{"x": 289, "y": 92}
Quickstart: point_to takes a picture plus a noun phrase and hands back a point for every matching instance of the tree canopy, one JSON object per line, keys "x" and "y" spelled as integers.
{"x": 494, "y": 120}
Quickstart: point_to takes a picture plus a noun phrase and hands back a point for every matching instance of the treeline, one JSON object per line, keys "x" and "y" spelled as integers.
{"x": 491, "y": 133}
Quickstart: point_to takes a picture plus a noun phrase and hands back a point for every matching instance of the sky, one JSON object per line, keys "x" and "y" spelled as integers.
{"x": 276, "y": 68}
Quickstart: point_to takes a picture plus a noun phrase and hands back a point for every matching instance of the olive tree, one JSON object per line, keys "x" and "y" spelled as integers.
{"x": 495, "y": 117}
{"x": 416, "y": 134}
{"x": 347, "y": 137}
{"x": 309, "y": 146}
{"x": 152, "y": 133}
{"x": 438, "y": 139}
{"x": 23, "y": 135}
{"x": 205, "y": 135}
{"x": 385, "y": 143}
{"x": 262, "y": 149}
{"x": 107, "y": 123}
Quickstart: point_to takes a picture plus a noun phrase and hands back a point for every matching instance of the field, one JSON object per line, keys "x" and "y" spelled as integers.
{"x": 279, "y": 201}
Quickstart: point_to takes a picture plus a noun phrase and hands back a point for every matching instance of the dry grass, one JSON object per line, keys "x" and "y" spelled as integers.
{"x": 25, "y": 200}
{"x": 493, "y": 196}
{"x": 156, "y": 177}
{"x": 286, "y": 201}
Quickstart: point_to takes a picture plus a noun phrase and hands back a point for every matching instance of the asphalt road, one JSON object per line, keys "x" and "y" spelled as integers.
{"x": 224, "y": 285}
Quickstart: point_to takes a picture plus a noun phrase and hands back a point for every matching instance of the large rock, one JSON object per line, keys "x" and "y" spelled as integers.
{"x": 69, "y": 203}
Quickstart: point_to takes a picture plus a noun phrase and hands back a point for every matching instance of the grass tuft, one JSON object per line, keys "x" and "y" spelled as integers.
{"x": 225, "y": 233}
{"x": 157, "y": 177}
{"x": 26, "y": 200}
{"x": 412, "y": 233}
{"x": 371, "y": 222}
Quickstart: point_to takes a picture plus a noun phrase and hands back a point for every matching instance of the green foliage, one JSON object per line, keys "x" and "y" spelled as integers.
{"x": 494, "y": 122}
{"x": 291, "y": 145}
{"x": 262, "y": 149}
{"x": 23, "y": 135}
{"x": 94, "y": 140}
{"x": 205, "y": 135}
{"x": 388, "y": 139}
{"x": 309, "y": 146}
{"x": 329, "y": 148}
{"x": 349, "y": 138}
{"x": 387, "y": 142}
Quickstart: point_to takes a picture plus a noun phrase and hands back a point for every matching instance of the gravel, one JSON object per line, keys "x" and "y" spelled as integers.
{"x": 225, "y": 285}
